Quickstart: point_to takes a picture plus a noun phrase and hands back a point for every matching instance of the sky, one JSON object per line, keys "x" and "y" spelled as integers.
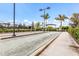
{"x": 29, "y": 12}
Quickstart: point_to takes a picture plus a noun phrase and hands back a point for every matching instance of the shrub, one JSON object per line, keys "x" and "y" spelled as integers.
{"x": 74, "y": 32}
{"x": 71, "y": 30}
{"x": 38, "y": 29}
{"x": 16, "y": 30}
{"x": 64, "y": 28}
{"x": 49, "y": 28}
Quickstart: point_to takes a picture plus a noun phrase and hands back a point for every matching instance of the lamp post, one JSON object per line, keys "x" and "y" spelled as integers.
{"x": 14, "y": 19}
{"x": 44, "y": 10}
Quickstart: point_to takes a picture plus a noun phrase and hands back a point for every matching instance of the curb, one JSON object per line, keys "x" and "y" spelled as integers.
{"x": 22, "y": 35}
{"x": 75, "y": 44}
{"x": 74, "y": 41}
{"x": 43, "y": 47}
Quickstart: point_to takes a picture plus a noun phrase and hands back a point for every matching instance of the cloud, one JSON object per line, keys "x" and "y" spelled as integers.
{"x": 26, "y": 21}
{"x": 6, "y": 20}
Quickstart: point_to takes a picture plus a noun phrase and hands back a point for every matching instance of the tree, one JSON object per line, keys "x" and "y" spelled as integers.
{"x": 37, "y": 26}
{"x": 24, "y": 26}
{"x": 75, "y": 19}
{"x": 33, "y": 26}
{"x": 20, "y": 26}
{"x": 8, "y": 25}
{"x": 46, "y": 17}
{"x": 61, "y": 18}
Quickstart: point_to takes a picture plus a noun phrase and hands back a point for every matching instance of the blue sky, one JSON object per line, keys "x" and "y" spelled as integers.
{"x": 28, "y": 12}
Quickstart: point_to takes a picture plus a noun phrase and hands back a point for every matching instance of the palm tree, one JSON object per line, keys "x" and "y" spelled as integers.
{"x": 46, "y": 17}
{"x": 75, "y": 19}
{"x": 61, "y": 18}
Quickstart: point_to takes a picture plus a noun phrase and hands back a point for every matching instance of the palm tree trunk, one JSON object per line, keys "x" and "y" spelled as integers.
{"x": 44, "y": 20}
{"x": 46, "y": 24}
{"x": 60, "y": 25}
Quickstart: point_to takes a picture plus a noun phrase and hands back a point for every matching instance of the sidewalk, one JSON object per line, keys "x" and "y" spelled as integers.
{"x": 61, "y": 47}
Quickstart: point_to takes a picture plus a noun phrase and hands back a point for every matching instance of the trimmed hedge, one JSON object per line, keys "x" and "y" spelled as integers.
{"x": 74, "y": 32}
{"x": 16, "y": 30}
{"x": 65, "y": 28}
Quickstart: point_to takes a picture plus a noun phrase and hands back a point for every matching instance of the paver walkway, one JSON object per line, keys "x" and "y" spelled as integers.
{"x": 61, "y": 47}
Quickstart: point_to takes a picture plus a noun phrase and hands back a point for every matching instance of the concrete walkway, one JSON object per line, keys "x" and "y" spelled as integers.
{"x": 61, "y": 47}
